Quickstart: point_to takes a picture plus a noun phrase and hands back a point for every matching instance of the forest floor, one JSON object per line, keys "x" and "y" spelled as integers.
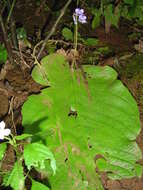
{"x": 16, "y": 83}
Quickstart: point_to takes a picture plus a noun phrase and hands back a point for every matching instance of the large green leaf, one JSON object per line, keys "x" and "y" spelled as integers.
{"x": 100, "y": 119}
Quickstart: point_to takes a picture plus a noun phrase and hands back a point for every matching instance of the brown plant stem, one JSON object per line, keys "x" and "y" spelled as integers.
{"x": 6, "y": 41}
{"x": 3, "y": 8}
{"x": 13, "y": 34}
{"x": 10, "y": 10}
{"x": 53, "y": 29}
{"x": 12, "y": 25}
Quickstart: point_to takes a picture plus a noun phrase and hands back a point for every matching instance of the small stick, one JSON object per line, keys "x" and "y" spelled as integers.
{"x": 12, "y": 25}
{"x": 6, "y": 41}
{"x": 11, "y": 111}
{"x": 3, "y": 8}
{"x": 53, "y": 28}
{"x": 10, "y": 12}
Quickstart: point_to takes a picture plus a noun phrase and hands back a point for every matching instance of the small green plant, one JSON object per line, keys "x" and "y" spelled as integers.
{"x": 91, "y": 41}
{"x": 3, "y": 54}
{"x": 111, "y": 12}
{"x": 34, "y": 155}
{"x": 21, "y": 33}
{"x": 67, "y": 34}
{"x": 22, "y": 37}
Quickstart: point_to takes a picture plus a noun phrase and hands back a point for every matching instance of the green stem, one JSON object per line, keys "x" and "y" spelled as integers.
{"x": 77, "y": 3}
{"x": 75, "y": 35}
{"x": 13, "y": 143}
{"x": 101, "y": 6}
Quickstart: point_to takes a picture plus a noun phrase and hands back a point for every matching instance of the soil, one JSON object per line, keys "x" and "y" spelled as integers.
{"x": 16, "y": 83}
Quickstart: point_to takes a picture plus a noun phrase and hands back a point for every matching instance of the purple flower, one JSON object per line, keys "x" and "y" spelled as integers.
{"x": 79, "y": 16}
{"x": 79, "y": 11}
{"x": 82, "y": 19}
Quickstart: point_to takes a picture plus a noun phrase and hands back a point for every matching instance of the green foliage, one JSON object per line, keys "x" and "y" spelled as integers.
{"x": 42, "y": 153}
{"x": 22, "y": 137}
{"x": 91, "y": 41}
{"x": 67, "y": 34}
{"x": 101, "y": 119}
{"x": 35, "y": 155}
{"x": 134, "y": 36}
{"x": 130, "y": 2}
{"x": 15, "y": 178}
{"x": 21, "y": 33}
{"x": 51, "y": 47}
{"x": 38, "y": 3}
{"x": 3, "y": 54}
{"x": 104, "y": 50}
{"x": 129, "y": 9}
{"x": 37, "y": 185}
{"x": 22, "y": 36}
{"x": 110, "y": 16}
{"x": 97, "y": 17}
{"x": 2, "y": 150}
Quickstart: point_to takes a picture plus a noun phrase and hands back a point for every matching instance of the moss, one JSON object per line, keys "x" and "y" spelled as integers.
{"x": 93, "y": 57}
{"x": 133, "y": 67}
{"x": 131, "y": 71}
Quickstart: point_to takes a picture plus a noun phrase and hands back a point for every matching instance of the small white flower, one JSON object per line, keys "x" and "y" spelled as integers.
{"x": 3, "y": 132}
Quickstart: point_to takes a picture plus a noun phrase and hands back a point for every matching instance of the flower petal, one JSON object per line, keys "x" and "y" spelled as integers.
{"x": 6, "y": 132}
{"x": 2, "y": 125}
{"x": 79, "y": 11}
{"x": 82, "y": 18}
{"x": 1, "y": 136}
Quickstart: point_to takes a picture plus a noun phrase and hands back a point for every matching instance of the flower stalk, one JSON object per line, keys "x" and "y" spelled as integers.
{"x": 78, "y": 17}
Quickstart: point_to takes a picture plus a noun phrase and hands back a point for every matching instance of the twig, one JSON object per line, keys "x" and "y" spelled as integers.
{"x": 11, "y": 111}
{"x": 55, "y": 42}
{"x": 13, "y": 34}
{"x": 12, "y": 27}
{"x": 3, "y": 8}
{"x": 21, "y": 56}
{"x": 64, "y": 42}
{"x": 10, "y": 12}
{"x": 6, "y": 41}
{"x": 36, "y": 62}
{"x": 53, "y": 28}
{"x": 34, "y": 49}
